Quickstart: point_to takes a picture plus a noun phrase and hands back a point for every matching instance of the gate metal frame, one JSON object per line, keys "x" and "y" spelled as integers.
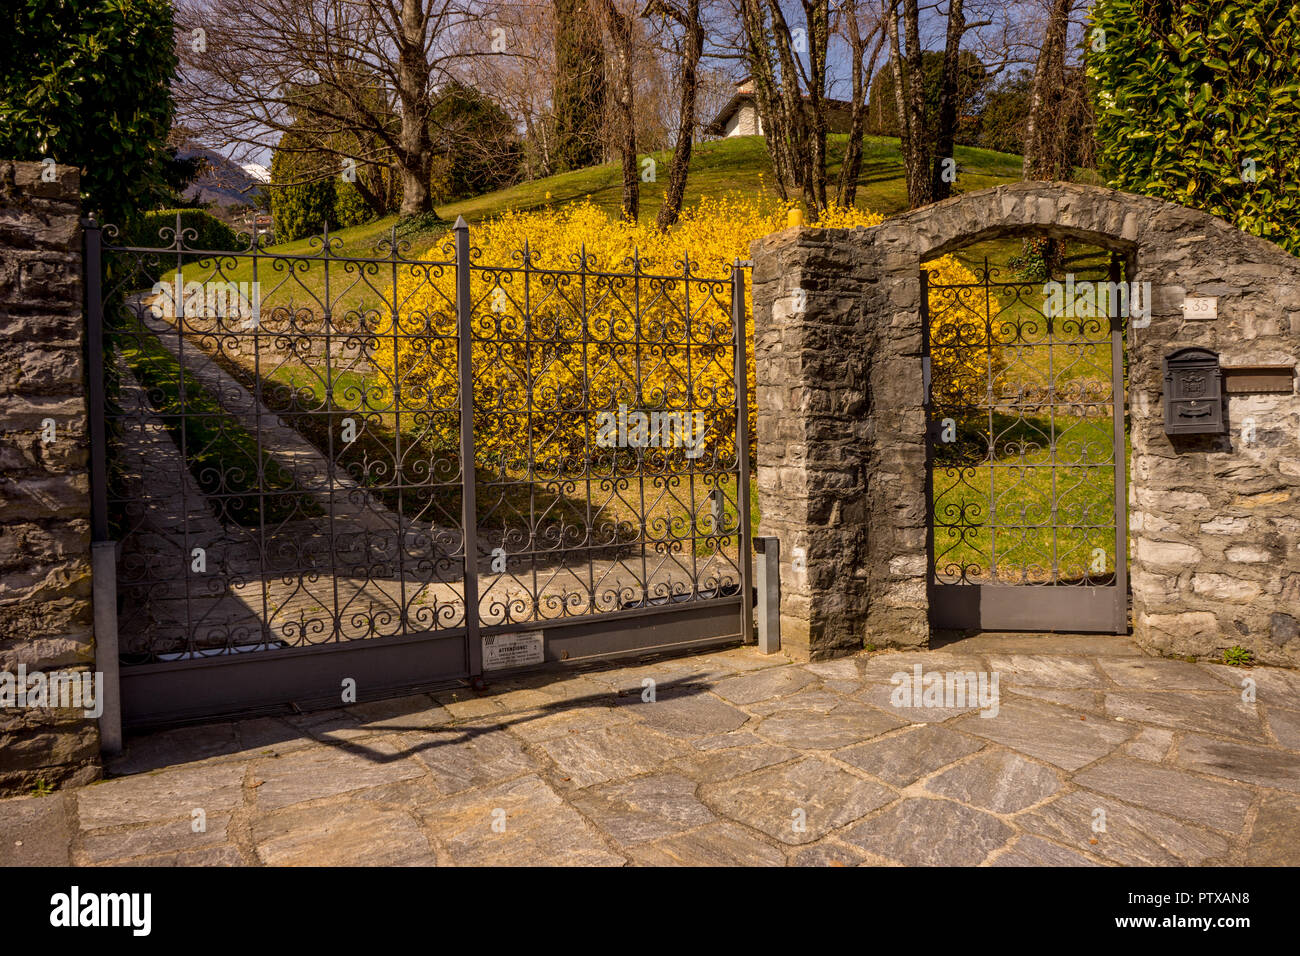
{"x": 972, "y": 605}
{"x": 204, "y": 684}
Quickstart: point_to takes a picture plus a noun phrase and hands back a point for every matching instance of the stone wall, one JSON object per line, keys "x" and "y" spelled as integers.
{"x": 1214, "y": 523}
{"x": 45, "y": 585}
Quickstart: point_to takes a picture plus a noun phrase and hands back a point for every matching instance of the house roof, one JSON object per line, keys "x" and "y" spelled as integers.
{"x": 744, "y": 95}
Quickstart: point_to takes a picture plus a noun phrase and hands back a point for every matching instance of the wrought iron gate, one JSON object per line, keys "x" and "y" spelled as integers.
{"x": 402, "y": 471}
{"x": 1026, "y": 464}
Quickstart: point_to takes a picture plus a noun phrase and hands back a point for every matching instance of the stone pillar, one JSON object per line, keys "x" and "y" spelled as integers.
{"x": 45, "y": 583}
{"x": 840, "y": 443}
{"x": 1215, "y": 519}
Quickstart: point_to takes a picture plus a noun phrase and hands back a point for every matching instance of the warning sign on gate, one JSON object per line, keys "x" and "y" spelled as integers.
{"x": 513, "y": 650}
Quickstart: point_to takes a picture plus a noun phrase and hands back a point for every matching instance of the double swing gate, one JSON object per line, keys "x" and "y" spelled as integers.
{"x": 326, "y": 473}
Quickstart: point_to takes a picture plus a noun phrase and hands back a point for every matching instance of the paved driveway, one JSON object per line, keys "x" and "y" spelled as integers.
{"x": 1096, "y": 755}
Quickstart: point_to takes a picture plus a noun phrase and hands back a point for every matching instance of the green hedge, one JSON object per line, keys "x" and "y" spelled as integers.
{"x": 148, "y": 268}
{"x": 349, "y": 208}
{"x": 1194, "y": 95}
{"x": 211, "y": 232}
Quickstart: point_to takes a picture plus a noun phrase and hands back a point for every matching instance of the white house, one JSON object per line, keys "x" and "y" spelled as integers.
{"x": 740, "y": 116}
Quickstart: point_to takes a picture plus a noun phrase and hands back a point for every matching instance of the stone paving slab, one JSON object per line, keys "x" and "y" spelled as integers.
{"x": 1097, "y": 755}
{"x": 1177, "y": 793}
{"x": 644, "y": 809}
{"x": 998, "y": 781}
{"x": 797, "y": 802}
{"x": 1052, "y": 734}
{"x": 1146, "y": 673}
{"x": 344, "y": 834}
{"x": 1130, "y": 836}
{"x": 1038, "y": 670}
{"x": 1285, "y": 727}
{"x": 161, "y": 795}
{"x": 920, "y": 832}
{"x": 1188, "y": 711}
{"x": 513, "y": 824}
{"x": 905, "y": 757}
{"x": 1034, "y": 851}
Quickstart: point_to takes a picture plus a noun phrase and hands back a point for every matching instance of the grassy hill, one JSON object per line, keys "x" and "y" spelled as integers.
{"x": 736, "y": 164}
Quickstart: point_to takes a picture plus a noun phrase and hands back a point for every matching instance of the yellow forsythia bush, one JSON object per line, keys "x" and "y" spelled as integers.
{"x": 600, "y": 326}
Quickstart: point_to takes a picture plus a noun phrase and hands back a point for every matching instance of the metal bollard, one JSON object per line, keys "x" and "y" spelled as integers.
{"x": 103, "y": 556}
{"x": 768, "y": 585}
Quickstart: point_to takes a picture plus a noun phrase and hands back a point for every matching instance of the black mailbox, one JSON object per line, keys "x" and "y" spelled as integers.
{"x": 1193, "y": 393}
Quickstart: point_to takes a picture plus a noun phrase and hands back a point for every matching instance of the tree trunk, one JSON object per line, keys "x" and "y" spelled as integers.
{"x": 918, "y": 164}
{"x": 620, "y": 29}
{"x": 680, "y": 166}
{"x": 415, "y": 157}
{"x": 1043, "y": 128}
{"x": 946, "y": 134}
{"x": 1038, "y": 127}
{"x": 900, "y": 103}
{"x": 817, "y": 16}
{"x": 578, "y": 100}
{"x": 851, "y": 167}
{"x": 763, "y": 76}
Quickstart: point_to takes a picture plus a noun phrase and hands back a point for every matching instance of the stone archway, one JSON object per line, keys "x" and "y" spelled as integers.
{"x": 841, "y": 426}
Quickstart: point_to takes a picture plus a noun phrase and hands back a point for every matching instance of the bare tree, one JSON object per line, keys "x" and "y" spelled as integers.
{"x": 372, "y": 67}
{"x": 788, "y": 68}
{"x": 1043, "y": 128}
{"x": 1045, "y": 155}
{"x": 685, "y": 16}
{"x": 946, "y": 132}
{"x": 620, "y": 25}
{"x": 860, "y": 29}
{"x": 522, "y": 82}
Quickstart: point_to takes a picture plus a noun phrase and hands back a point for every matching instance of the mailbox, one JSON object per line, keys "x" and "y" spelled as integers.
{"x": 1193, "y": 393}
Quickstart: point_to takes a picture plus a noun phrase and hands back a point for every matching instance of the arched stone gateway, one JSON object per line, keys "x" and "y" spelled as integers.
{"x": 840, "y": 339}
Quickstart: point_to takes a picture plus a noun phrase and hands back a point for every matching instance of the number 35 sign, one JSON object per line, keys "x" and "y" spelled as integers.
{"x": 1200, "y": 307}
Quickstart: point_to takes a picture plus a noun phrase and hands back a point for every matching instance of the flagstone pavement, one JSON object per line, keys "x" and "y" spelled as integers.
{"x": 1097, "y": 755}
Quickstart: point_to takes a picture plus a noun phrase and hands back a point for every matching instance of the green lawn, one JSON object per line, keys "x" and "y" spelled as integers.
{"x": 1041, "y": 510}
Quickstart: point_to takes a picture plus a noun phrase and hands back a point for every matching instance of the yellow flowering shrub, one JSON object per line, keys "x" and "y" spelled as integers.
{"x": 579, "y": 319}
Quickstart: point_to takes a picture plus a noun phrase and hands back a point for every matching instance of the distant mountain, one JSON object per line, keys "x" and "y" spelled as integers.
{"x": 225, "y": 182}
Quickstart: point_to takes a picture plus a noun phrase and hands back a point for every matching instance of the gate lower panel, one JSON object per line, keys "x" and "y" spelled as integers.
{"x": 234, "y": 685}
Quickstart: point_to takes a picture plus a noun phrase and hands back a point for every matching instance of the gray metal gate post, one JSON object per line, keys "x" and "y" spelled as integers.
{"x": 103, "y": 552}
{"x": 745, "y": 549}
{"x": 469, "y": 502}
{"x": 768, "y": 550}
{"x": 1119, "y": 399}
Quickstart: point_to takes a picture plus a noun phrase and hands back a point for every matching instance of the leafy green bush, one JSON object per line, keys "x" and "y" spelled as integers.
{"x": 302, "y": 193}
{"x": 1198, "y": 102}
{"x": 157, "y": 228}
{"x": 87, "y": 83}
{"x": 349, "y": 208}
{"x": 475, "y": 144}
